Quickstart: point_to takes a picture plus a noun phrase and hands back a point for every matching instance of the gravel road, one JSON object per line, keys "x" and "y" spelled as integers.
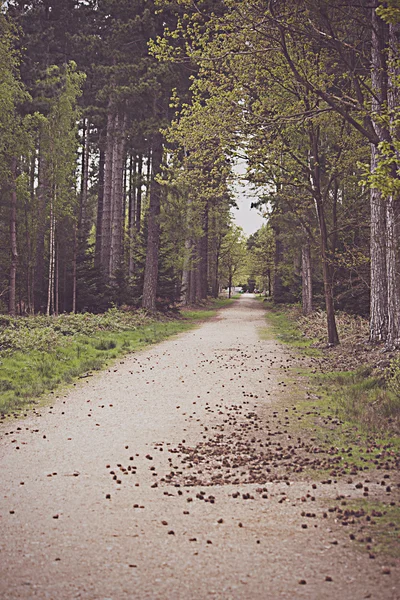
{"x": 165, "y": 478}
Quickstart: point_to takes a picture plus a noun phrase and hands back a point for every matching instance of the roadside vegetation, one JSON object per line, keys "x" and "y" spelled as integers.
{"x": 40, "y": 353}
{"x": 359, "y": 382}
{"x": 351, "y": 406}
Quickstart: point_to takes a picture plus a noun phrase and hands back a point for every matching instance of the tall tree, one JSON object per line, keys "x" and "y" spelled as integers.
{"x": 12, "y": 94}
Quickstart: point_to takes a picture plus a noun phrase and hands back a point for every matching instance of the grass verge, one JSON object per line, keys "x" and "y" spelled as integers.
{"x": 282, "y": 327}
{"x": 354, "y": 411}
{"x": 38, "y": 354}
{"x": 354, "y": 418}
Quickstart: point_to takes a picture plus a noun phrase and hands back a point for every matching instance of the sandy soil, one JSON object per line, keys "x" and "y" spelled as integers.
{"x": 148, "y": 481}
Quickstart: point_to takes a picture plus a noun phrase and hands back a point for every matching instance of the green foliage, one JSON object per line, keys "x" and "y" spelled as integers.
{"x": 43, "y": 333}
{"x": 393, "y": 377}
{"x": 389, "y": 11}
{"x": 12, "y": 94}
{"x": 59, "y": 140}
{"x": 233, "y": 265}
{"x": 261, "y": 249}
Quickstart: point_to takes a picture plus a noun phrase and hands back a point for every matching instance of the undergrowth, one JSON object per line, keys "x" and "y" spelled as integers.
{"x": 364, "y": 398}
{"x": 360, "y": 407}
{"x": 285, "y": 329}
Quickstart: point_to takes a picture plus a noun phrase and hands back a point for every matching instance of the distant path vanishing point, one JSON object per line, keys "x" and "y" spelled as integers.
{"x": 164, "y": 478}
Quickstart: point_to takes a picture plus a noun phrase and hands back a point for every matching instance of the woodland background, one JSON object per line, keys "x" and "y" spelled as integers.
{"x": 120, "y": 125}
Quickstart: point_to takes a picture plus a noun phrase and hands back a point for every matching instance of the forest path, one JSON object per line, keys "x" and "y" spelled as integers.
{"x": 174, "y": 436}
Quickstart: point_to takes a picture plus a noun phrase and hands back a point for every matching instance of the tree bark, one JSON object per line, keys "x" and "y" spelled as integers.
{"x": 306, "y": 274}
{"x": 139, "y": 192}
{"x": 118, "y": 191}
{"x": 13, "y": 240}
{"x": 84, "y": 181}
{"x": 50, "y": 287}
{"x": 57, "y": 281}
{"x": 192, "y": 284}
{"x": 203, "y": 256}
{"x": 392, "y": 205}
{"x": 333, "y": 337}
{"x": 131, "y": 213}
{"x": 39, "y": 275}
{"x": 153, "y": 228}
{"x": 379, "y": 282}
{"x": 278, "y": 286}
{"x": 99, "y": 218}
{"x": 186, "y": 272}
{"x": 74, "y": 261}
{"x": 108, "y": 193}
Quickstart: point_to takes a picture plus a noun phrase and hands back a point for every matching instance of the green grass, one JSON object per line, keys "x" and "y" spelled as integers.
{"x": 354, "y": 409}
{"x": 26, "y": 375}
{"x": 338, "y": 418}
{"x": 363, "y": 398}
{"x": 284, "y": 329}
{"x": 208, "y": 311}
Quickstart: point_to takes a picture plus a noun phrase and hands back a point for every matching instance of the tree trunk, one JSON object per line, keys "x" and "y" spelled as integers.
{"x": 50, "y": 287}
{"x": 139, "y": 192}
{"x": 57, "y": 281}
{"x": 43, "y": 194}
{"x": 215, "y": 256}
{"x": 99, "y": 218}
{"x": 203, "y": 256}
{"x": 392, "y": 206}
{"x": 81, "y": 227}
{"x": 118, "y": 191}
{"x": 29, "y": 204}
{"x": 333, "y": 337}
{"x": 153, "y": 228}
{"x": 74, "y": 261}
{"x": 132, "y": 213}
{"x": 279, "y": 296}
{"x": 199, "y": 272}
{"x": 186, "y": 272}
{"x": 192, "y": 285}
{"x": 306, "y": 274}
{"x": 392, "y": 340}
{"x": 13, "y": 239}
{"x": 82, "y": 221}
{"x": 379, "y": 282}
{"x": 108, "y": 193}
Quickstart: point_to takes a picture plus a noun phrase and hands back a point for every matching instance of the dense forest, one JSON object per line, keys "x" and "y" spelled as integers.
{"x": 121, "y": 122}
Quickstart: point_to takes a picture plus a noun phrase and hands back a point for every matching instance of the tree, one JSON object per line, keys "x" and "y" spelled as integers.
{"x": 12, "y": 94}
{"x": 313, "y": 57}
{"x": 233, "y": 257}
{"x": 261, "y": 250}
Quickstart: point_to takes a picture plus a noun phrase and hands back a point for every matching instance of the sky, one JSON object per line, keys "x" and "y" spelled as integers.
{"x": 248, "y": 218}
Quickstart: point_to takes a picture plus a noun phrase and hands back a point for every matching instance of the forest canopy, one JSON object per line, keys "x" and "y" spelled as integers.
{"x": 120, "y": 125}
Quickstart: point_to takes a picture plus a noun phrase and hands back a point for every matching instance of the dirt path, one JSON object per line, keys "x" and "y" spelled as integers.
{"x": 164, "y": 478}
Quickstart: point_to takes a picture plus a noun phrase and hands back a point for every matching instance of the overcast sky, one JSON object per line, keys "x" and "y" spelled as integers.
{"x": 248, "y": 218}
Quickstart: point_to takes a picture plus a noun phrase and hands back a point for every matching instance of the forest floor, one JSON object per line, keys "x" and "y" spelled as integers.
{"x": 204, "y": 467}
